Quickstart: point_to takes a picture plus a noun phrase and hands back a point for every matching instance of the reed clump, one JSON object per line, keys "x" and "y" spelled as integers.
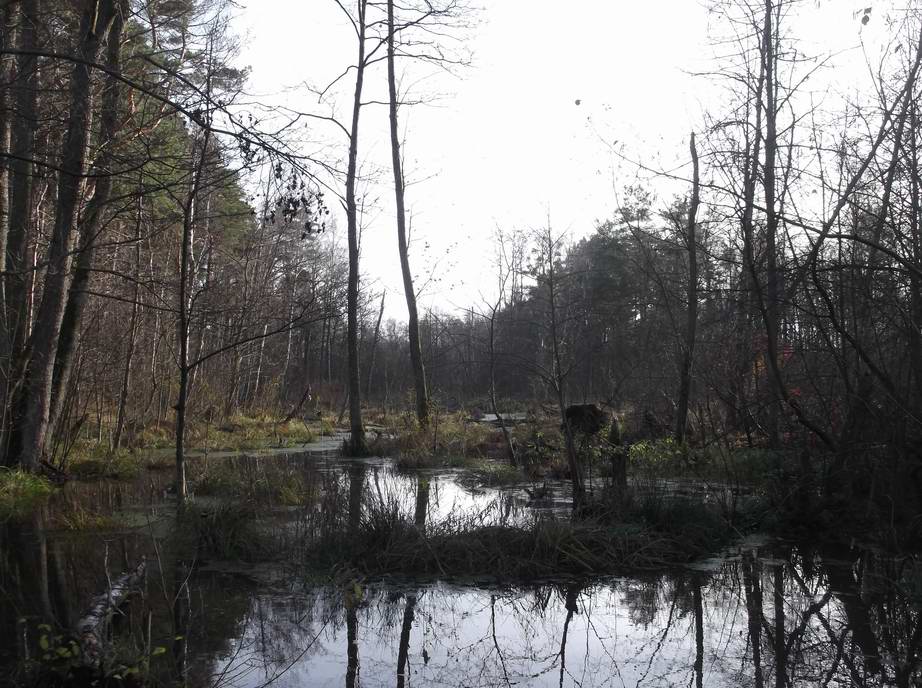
{"x": 387, "y": 541}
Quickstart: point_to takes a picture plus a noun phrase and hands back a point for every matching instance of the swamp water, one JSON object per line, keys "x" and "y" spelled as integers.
{"x": 757, "y": 614}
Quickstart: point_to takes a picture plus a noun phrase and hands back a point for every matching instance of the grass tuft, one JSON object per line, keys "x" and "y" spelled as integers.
{"x": 227, "y": 531}
{"x": 271, "y": 482}
{"x": 20, "y": 491}
{"x": 492, "y": 474}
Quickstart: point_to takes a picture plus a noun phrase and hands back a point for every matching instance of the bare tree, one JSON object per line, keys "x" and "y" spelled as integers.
{"x": 688, "y": 347}
{"x": 546, "y": 270}
{"x": 357, "y": 444}
{"x": 416, "y": 355}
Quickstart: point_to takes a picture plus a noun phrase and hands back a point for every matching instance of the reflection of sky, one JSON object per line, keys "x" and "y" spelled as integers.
{"x": 632, "y": 631}
{"x": 452, "y": 642}
{"x": 626, "y": 632}
{"x": 450, "y": 495}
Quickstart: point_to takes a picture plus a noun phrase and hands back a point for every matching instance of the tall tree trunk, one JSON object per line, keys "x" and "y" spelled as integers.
{"x": 573, "y": 459}
{"x": 753, "y": 591}
{"x": 403, "y": 649}
{"x": 283, "y": 378}
{"x": 233, "y": 390}
{"x": 185, "y": 302}
{"x": 749, "y": 278}
{"x": 7, "y": 33}
{"x": 205, "y": 257}
{"x": 915, "y": 283}
{"x": 699, "y": 636}
{"x": 507, "y": 437}
{"x": 356, "y": 495}
{"x": 416, "y": 356}
{"x": 773, "y": 283}
{"x": 781, "y": 661}
{"x": 7, "y": 64}
{"x": 357, "y": 445}
{"x": 28, "y": 439}
{"x": 259, "y": 366}
{"x": 571, "y": 599}
{"x": 352, "y": 637}
{"x": 691, "y": 325}
{"x": 78, "y": 297}
{"x": 23, "y": 127}
{"x": 422, "y": 503}
{"x": 22, "y": 146}
{"x": 125, "y": 389}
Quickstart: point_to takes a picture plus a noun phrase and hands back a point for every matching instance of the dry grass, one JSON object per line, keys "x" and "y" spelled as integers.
{"x": 386, "y": 542}
{"x": 448, "y": 435}
{"x": 271, "y": 481}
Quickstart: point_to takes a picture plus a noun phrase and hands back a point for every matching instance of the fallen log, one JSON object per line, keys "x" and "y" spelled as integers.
{"x": 90, "y": 629}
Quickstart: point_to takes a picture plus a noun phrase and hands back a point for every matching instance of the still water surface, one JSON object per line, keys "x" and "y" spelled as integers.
{"x": 759, "y": 614}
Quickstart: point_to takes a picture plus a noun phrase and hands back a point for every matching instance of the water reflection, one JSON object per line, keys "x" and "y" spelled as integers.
{"x": 667, "y": 630}
{"x": 761, "y": 615}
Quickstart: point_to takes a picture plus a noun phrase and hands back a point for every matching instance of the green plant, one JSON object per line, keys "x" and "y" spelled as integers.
{"x": 20, "y": 491}
{"x": 57, "y": 660}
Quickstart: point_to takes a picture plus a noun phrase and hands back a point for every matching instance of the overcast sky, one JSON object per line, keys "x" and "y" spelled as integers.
{"x": 505, "y": 143}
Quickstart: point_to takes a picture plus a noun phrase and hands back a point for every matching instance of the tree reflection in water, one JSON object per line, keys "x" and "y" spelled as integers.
{"x": 761, "y": 617}
{"x": 805, "y": 620}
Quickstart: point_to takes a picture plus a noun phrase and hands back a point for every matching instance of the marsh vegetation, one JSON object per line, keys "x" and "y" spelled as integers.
{"x": 291, "y": 565}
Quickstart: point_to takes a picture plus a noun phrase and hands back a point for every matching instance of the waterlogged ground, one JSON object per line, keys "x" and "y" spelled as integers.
{"x": 758, "y": 614}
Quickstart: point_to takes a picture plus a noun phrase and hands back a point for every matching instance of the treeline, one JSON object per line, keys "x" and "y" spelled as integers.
{"x": 171, "y": 257}
{"x": 154, "y": 233}
{"x": 775, "y": 303}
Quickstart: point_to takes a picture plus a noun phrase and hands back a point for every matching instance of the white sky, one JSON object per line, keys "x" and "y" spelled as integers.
{"x": 506, "y": 144}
